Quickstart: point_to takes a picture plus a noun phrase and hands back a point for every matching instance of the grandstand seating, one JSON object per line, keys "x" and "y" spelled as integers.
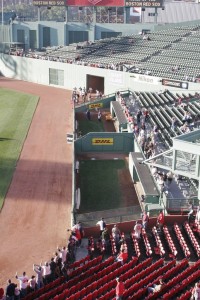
{"x": 156, "y": 57}
{"x": 96, "y": 278}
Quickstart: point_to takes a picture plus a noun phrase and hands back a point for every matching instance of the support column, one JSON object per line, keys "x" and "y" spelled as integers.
{"x": 174, "y": 160}
{"x": 125, "y": 15}
{"x": 94, "y": 15}
{"x": 156, "y": 15}
{"x": 39, "y": 18}
{"x": 66, "y": 14}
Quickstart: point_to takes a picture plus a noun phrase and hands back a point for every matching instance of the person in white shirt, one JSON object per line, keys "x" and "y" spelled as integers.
{"x": 63, "y": 254}
{"x": 46, "y": 272}
{"x": 23, "y": 283}
{"x": 32, "y": 283}
{"x": 102, "y": 225}
{"x": 137, "y": 230}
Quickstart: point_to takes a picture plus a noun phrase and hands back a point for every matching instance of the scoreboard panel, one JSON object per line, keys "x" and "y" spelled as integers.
{"x": 49, "y": 2}
{"x": 143, "y": 3}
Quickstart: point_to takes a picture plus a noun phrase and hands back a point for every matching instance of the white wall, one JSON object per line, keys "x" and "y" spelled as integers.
{"x": 36, "y": 70}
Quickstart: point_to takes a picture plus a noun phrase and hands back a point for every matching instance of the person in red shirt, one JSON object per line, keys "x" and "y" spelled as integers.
{"x": 122, "y": 256}
{"x": 119, "y": 289}
{"x": 160, "y": 220}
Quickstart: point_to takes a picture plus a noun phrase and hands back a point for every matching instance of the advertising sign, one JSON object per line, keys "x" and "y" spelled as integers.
{"x": 102, "y": 141}
{"x": 95, "y": 105}
{"x": 175, "y": 83}
{"x": 94, "y": 2}
{"x": 144, "y": 3}
{"x": 49, "y": 2}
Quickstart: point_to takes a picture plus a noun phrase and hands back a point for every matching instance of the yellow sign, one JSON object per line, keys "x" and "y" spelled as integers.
{"x": 102, "y": 141}
{"x": 95, "y": 105}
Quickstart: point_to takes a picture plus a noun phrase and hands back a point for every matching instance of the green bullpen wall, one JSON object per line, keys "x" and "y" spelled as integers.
{"x": 105, "y": 142}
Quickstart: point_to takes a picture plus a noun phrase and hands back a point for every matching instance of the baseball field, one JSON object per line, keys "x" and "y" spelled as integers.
{"x": 16, "y": 112}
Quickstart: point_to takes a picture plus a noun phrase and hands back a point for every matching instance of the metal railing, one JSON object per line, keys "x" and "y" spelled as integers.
{"x": 117, "y": 215}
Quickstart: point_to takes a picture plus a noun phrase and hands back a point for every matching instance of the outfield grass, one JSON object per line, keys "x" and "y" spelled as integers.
{"x": 86, "y": 126}
{"x": 16, "y": 112}
{"x": 99, "y": 184}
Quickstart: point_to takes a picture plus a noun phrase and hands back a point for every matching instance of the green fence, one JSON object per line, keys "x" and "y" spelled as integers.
{"x": 105, "y": 142}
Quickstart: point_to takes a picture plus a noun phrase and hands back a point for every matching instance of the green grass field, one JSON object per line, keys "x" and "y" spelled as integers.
{"x": 16, "y": 113}
{"x": 99, "y": 184}
{"x": 86, "y": 126}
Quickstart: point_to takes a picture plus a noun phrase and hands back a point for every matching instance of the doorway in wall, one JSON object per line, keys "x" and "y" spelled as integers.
{"x": 95, "y": 82}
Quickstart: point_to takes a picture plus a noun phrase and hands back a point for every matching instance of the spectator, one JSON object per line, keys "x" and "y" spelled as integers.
{"x": 106, "y": 237}
{"x": 196, "y": 292}
{"x": 17, "y": 293}
{"x": 2, "y": 297}
{"x": 137, "y": 230}
{"x": 63, "y": 253}
{"x": 32, "y": 283}
{"x": 116, "y": 234}
{"x": 52, "y": 268}
{"x": 81, "y": 230}
{"x": 169, "y": 177}
{"x": 10, "y": 290}
{"x": 191, "y": 211}
{"x": 102, "y": 225}
{"x": 119, "y": 289}
{"x": 88, "y": 115}
{"x": 174, "y": 123}
{"x": 23, "y": 283}
{"x": 145, "y": 220}
{"x": 39, "y": 277}
{"x": 46, "y": 272}
{"x": 160, "y": 220}
{"x": 156, "y": 287}
{"x": 122, "y": 256}
{"x": 198, "y": 216}
{"x": 99, "y": 115}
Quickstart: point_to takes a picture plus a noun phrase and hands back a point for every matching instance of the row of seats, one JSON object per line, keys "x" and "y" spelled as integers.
{"x": 145, "y": 238}
{"x": 181, "y": 240}
{"x": 190, "y": 273}
{"x": 160, "y": 249}
{"x": 170, "y": 242}
{"x": 192, "y": 238}
{"x": 136, "y": 245}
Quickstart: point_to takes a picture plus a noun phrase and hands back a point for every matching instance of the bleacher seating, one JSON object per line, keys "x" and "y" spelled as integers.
{"x": 96, "y": 278}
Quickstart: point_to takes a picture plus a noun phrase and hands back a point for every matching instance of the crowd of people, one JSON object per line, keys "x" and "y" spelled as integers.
{"x": 81, "y": 95}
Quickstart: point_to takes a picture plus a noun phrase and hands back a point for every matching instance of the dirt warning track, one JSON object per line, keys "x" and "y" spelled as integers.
{"x": 37, "y": 209}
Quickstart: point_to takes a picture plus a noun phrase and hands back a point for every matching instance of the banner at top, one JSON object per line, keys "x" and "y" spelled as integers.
{"x": 95, "y": 2}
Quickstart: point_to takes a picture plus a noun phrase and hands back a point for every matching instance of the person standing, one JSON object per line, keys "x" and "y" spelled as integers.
{"x": 32, "y": 284}
{"x": 39, "y": 278}
{"x": 52, "y": 268}
{"x": 23, "y": 283}
{"x": 120, "y": 289}
{"x": 160, "y": 220}
{"x": 196, "y": 292}
{"x": 88, "y": 114}
{"x": 116, "y": 234}
{"x": 46, "y": 272}
{"x": 2, "y": 296}
{"x": 10, "y": 290}
{"x": 102, "y": 225}
{"x": 99, "y": 115}
{"x": 145, "y": 220}
{"x": 137, "y": 230}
